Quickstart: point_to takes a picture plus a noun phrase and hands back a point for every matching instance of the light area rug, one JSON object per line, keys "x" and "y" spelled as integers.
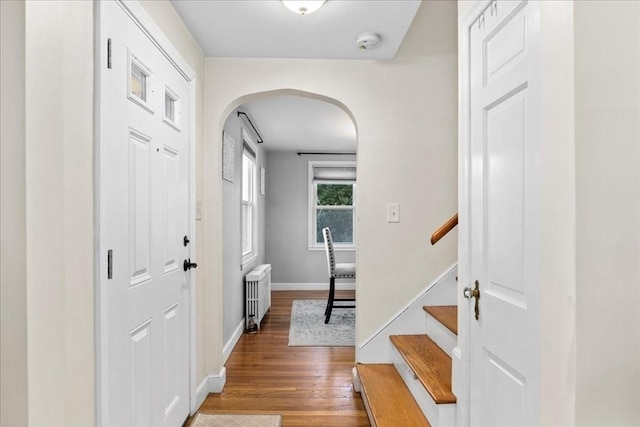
{"x": 307, "y": 327}
{"x": 219, "y": 420}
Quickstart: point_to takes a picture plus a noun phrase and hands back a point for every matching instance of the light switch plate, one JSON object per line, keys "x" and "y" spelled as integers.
{"x": 393, "y": 212}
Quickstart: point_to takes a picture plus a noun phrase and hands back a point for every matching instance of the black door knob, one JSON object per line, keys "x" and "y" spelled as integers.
{"x": 188, "y": 265}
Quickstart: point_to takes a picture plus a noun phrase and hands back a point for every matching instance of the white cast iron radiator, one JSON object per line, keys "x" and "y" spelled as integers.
{"x": 258, "y": 293}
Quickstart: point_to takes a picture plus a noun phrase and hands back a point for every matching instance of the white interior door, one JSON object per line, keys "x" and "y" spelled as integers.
{"x": 503, "y": 227}
{"x": 145, "y": 177}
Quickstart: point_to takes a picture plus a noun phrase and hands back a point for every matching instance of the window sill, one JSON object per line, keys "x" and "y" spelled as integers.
{"x": 335, "y": 248}
{"x": 248, "y": 261}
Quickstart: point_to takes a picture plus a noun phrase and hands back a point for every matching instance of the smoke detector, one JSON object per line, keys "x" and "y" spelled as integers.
{"x": 367, "y": 41}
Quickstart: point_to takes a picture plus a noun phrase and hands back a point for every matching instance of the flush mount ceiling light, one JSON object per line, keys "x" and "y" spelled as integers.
{"x": 303, "y": 7}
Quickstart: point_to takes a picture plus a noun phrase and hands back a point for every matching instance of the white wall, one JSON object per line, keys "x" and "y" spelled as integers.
{"x": 13, "y": 277}
{"x": 59, "y": 213}
{"x": 607, "y": 82}
{"x": 233, "y": 274}
{"x": 48, "y": 355}
{"x": 288, "y": 221}
{"x": 405, "y": 111}
{"x": 556, "y": 275}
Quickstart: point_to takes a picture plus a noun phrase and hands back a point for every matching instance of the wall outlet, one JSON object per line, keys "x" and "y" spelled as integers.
{"x": 393, "y": 212}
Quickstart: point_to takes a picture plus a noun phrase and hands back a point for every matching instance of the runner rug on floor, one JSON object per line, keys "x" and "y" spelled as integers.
{"x": 218, "y": 420}
{"x": 307, "y": 328}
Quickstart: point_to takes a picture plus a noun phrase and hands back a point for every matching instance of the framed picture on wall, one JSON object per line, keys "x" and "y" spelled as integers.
{"x": 262, "y": 181}
{"x": 228, "y": 145}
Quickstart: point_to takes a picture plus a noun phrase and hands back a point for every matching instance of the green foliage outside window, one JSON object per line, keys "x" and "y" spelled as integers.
{"x": 335, "y": 194}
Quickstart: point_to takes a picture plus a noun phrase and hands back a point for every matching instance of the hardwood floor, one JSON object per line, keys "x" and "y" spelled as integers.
{"x": 309, "y": 386}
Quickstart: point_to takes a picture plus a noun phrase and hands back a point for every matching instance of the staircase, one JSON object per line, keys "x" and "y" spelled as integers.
{"x": 416, "y": 389}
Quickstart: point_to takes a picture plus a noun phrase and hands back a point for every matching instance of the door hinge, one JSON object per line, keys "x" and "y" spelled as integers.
{"x": 110, "y": 264}
{"x": 109, "y": 53}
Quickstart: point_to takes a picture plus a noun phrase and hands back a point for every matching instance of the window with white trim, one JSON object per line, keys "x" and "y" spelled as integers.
{"x": 332, "y": 192}
{"x": 249, "y": 199}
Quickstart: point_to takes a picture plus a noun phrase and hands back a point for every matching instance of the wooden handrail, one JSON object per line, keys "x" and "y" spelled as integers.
{"x": 444, "y": 229}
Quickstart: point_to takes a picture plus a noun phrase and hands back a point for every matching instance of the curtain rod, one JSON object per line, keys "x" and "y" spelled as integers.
{"x": 305, "y": 153}
{"x": 260, "y": 140}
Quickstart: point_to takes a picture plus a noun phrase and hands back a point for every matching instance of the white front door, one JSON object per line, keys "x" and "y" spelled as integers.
{"x": 145, "y": 182}
{"x": 503, "y": 221}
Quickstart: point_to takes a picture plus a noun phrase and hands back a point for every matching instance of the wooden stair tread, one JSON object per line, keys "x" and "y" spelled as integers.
{"x": 429, "y": 363}
{"x": 445, "y": 314}
{"x": 390, "y": 401}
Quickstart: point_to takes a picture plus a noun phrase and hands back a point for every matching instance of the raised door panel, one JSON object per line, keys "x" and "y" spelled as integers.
{"x": 502, "y": 380}
{"x": 172, "y": 363}
{"x": 504, "y": 169}
{"x": 139, "y": 207}
{"x": 171, "y": 209}
{"x": 141, "y": 380}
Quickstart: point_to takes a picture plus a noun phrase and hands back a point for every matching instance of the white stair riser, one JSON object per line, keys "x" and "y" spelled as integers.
{"x": 442, "y": 415}
{"x": 445, "y": 339}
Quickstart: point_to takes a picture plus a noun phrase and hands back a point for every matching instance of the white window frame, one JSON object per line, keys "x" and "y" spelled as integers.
{"x": 134, "y": 61}
{"x": 250, "y": 256}
{"x": 177, "y": 116}
{"x": 312, "y": 245}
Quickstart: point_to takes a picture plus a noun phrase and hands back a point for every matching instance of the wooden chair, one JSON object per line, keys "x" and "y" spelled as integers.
{"x": 336, "y": 271}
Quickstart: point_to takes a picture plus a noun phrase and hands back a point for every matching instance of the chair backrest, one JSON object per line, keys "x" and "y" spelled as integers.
{"x": 328, "y": 247}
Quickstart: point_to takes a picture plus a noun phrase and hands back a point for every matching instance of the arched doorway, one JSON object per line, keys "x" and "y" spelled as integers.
{"x": 274, "y": 139}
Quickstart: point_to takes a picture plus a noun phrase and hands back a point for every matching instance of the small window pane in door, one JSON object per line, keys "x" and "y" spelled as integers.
{"x": 169, "y": 107}
{"x": 138, "y": 82}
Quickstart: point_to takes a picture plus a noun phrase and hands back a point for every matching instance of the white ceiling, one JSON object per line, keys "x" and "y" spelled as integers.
{"x": 267, "y": 29}
{"x": 295, "y": 123}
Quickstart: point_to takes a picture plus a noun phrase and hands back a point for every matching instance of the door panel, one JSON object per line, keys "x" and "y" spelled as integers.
{"x": 139, "y": 207}
{"x": 502, "y": 224}
{"x": 502, "y": 380}
{"x": 505, "y": 49}
{"x": 504, "y": 183}
{"x": 171, "y": 201}
{"x": 146, "y": 198}
{"x": 172, "y": 365}
{"x": 140, "y": 355}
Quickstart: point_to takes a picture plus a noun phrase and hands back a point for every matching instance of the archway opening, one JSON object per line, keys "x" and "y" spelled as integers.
{"x": 275, "y": 144}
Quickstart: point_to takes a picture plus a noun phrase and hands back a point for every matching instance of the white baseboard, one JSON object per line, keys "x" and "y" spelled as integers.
{"x": 311, "y": 286}
{"x": 217, "y": 382}
{"x": 357, "y": 385}
{"x": 409, "y": 320}
{"x": 201, "y": 394}
{"x": 229, "y": 346}
{"x": 210, "y": 384}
